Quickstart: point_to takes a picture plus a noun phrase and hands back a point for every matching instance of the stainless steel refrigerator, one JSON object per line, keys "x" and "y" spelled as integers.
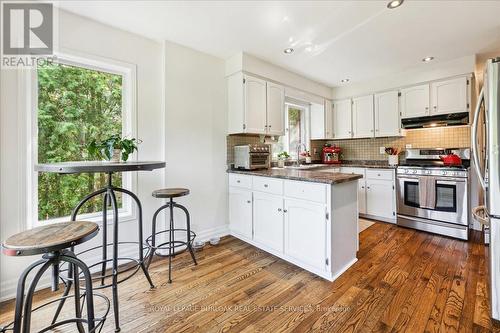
{"x": 487, "y": 167}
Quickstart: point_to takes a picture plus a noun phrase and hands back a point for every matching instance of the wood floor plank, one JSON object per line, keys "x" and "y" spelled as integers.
{"x": 404, "y": 280}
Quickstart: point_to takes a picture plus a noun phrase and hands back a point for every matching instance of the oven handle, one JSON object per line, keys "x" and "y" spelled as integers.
{"x": 446, "y": 181}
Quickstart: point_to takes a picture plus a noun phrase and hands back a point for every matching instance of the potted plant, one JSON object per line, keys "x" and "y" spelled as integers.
{"x": 282, "y": 157}
{"x": 113, "y": 149}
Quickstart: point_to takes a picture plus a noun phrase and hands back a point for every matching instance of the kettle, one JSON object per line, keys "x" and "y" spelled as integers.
{"x": 451, "y": 159}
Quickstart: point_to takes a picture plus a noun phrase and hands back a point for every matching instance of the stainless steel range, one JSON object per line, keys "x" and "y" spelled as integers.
{"x": 432, "y": 196}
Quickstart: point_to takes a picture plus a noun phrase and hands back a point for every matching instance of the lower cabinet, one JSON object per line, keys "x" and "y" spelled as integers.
{"x": 305, "y": 232}
{"x": 240, "y": 211}
{"x": 268, "y": 220}
{"x": 361, "y": 196}
{"x": 380, "y": 198}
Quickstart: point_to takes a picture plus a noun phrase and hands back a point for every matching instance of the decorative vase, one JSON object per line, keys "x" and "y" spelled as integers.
{"x": 281, "y": 163}
{"x": 117, "y": 155}
{"x": 393, "y": 160}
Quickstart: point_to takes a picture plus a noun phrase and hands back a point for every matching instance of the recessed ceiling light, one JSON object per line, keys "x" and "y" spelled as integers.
{"x": 308, "y": 48}
{"x": 428, "y": 59}
{"x": 394, "y": 4}
{"x": 288, "y": 50}
{"x": 344, "y": 80}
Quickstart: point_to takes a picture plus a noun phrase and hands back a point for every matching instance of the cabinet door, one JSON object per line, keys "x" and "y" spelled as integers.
{"x": 449, "y": 96}
{"x": 379, "y": 198}
{"x": 415, "y": 101}
{"x": 275, "y": 109}
{"x": 305, "y": 232}
{"x": 361, "y": 196}
{"x": 328, "y": 119}
{"x": 362, "y": 117}
{"x": 387, "y": 121}
{"x": 255, "y": 105}
{"x": 240, "y": 211}
{"x": 318, "y": 121}
{"x": 342, "y": 119}
{"x": 268, "y": 220}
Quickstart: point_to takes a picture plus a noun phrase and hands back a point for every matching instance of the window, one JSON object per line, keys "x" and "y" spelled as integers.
{"x": 296, "y": 131}
{"x": 75, "y": 103}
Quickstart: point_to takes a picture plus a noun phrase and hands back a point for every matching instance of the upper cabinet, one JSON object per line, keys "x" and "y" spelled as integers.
{"x": 328, "y": 119}
{"x": 275, "y": 109}
{"x": 449, "y": 96}
{"x": 318, "y": 121}
{"x": 415, "y": 101}
{"x": 387, "y": 120}
{"x": 362, "y": 117}
{"x": 436, "y": 98}
{"x": 255, "y": 106}
{"x": 342, "y": 119}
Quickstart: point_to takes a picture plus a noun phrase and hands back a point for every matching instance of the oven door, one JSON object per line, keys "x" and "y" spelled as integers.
{"x": 451, "y": 200}
{"x": 259, "y": 161}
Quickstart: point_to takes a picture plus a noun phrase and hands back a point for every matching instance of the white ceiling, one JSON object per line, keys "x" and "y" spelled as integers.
{"x": 360, "y": 40}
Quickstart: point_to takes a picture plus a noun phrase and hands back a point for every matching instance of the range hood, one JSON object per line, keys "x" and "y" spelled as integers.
{"x": 452, "y": 119}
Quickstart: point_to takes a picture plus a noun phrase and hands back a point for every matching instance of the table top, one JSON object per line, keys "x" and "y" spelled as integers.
{"x": 98, "y": 166}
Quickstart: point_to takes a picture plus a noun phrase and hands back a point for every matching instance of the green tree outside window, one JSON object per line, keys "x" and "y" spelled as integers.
{"x": 75, "y": 105}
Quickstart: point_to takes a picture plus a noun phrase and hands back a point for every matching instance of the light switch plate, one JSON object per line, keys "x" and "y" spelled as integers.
{"x": 382, "y": 150}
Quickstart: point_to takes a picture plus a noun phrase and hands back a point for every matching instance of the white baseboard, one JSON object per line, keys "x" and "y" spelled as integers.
{"x": 219, "y": 231}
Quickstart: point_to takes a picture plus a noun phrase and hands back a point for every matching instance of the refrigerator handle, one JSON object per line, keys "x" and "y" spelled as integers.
{"x": 475, "y": 154}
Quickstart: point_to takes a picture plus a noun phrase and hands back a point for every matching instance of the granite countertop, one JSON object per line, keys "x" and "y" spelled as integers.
{"x": 301, "y": 175}
{"x": 358, "y": 164}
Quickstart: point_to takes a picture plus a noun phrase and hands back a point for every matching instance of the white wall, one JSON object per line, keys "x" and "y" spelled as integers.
{"x": 83, "y": 36}
{"x": 195, "y": 138}
{"x": 421, "y": 73}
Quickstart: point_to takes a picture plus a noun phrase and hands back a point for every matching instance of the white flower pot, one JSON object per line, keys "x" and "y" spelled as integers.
{"x": 308, "y": 160}
{"x": 393, "y": 159}
{"x": 117, "y": 155}
{"x": 281, "y": 163}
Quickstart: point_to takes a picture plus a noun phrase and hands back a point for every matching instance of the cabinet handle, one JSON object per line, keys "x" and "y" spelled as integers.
{"x": 279, "y": 209}
{"x": 265, "y": 185}
{"x": 426, "y": 108}
{"x": 435, "y": 107}
{"x": 269, "y": 126}
{"x": 238, "y": 181}
{"x": 362, "y": 187}
{"x": 248, "y": 201}
{"x": 378, "y": 174}
{"x": 368, "y": 187}
{"x": 284, "y": 210}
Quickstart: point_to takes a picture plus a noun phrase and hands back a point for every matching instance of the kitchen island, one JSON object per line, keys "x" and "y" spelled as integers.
{"x": 308, "y": 218}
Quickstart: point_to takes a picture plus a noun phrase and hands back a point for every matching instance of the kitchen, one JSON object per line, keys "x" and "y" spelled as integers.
{"x": 319, "y": 177}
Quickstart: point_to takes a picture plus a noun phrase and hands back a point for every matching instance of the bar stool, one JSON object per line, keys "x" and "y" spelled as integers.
{"x": 171, "y": 244}
{"x": 52, "y": 242}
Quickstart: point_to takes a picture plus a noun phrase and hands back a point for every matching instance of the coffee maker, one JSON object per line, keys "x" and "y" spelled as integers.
{"x": 331, "y": 155}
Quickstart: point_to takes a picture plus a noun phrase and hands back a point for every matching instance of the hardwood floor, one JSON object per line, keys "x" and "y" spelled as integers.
{"x": 405, "y": 280}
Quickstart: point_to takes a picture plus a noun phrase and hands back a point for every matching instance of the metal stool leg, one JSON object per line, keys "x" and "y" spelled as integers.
{"x": 114, "y": 287}
{"x": 188, "y": 227}
{"x": 171, "y": 240}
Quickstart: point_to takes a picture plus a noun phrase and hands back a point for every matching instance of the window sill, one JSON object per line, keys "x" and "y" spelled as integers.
{"x": 123, "y": 216}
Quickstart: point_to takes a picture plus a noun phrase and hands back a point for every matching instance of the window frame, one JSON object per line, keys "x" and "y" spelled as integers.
{"x": 29, "y": 80}
{"x": 305, "y": 124}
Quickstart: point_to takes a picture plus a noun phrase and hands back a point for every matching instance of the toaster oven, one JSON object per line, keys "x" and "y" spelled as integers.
{"x": 252, "y": 156}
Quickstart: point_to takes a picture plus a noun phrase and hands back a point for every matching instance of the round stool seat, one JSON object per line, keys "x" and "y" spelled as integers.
{"x": 49, "y": 238}
{"x": 170, "y": 193}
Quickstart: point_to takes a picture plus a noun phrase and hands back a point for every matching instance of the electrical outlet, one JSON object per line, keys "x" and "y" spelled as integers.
{"x": 408, "y": 146}
{"x": 382, "y": 150}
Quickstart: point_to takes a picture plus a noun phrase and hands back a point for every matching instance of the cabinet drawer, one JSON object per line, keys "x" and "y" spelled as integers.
{"x": 379, "y": 174}
{"x": 242, "y": 181}
{"x": 268, "y": 185}
{"x": 305, "y": 191}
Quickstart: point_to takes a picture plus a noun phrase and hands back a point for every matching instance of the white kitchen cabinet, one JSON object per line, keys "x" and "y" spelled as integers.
{"x": 275, "y": 109}
{"x": 362, "y": 117}
{"x": 255, "y": 106}
{"x": 328, "y": 119}
{"x": 449, "y": 96}
{"x": 361, "y": 187}
{"x": 305, "y": 232}
{"x": 380, "y": 198}
{"x": 387, "y": 120}
{"x": 342, "y": 119}
{"x": 268, "y": 220}
{"x": 318, "y": 121}
{"x": 240, "y": 211}
{"x": 415, "y": 101}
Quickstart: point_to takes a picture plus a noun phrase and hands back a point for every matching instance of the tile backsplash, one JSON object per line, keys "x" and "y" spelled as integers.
{"x": 368, "y": 149}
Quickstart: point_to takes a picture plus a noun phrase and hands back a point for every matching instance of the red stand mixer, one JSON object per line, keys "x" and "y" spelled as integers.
{"x": 331, "y": 155}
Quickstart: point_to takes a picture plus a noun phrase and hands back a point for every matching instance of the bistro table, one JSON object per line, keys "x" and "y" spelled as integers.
{"x": 109, "y": 197}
